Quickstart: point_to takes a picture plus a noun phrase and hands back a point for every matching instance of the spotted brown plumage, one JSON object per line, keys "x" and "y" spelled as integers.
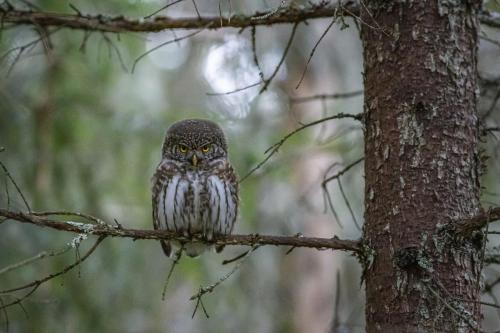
{"x": 195, "y": 189}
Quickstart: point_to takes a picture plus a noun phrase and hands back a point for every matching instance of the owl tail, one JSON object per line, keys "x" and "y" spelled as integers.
{"x": 191, "y": 249}
{"x": 195, "y": 249}
{"x": 167, "y": 248}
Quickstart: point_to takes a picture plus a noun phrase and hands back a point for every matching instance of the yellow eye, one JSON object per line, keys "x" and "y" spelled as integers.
{"x": 205, "y": 148}
{"x": 183, "y": 149}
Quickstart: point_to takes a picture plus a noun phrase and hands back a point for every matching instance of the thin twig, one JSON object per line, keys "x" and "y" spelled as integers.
{"x": 21, "y": 49}
{"x": 164, "y": 44}
{"x": 37, "y": 283}
{"x": 209, "y": 289}
{"x": 341, "y": 172}
{"x": 348, "y": 204}
{"x": 6, "y": 171}
{"x": 68, "y": 213}
{"x": 117, "y": 51}
{"x": 492, "y": 106}
{"x": 162, "y": 8}
{"x": 492, "y": 41}
{"x": 34, "y": 258}
{"x": 196, "y": 9}
{"x": 335, "y": 321}
{"x": 5, "y": 314}
{"x": 449, "y": 306}
{"x": 314, "y": 50}
{"x": 254, "y": 51}
{"x": 298, "y": 100}
{"x": 235, "y": 90}
{"x": 178, "y": 255}
{"x": 326, "y": 193}
{"x": 285, "y": 52}
{"x": 275, "y": 147}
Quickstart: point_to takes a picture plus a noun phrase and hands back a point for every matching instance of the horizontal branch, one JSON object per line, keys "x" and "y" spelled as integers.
{"x": 103, "y": 229}
{"x": 123, "y": 24}
{"x": 491, "y": 19}
{"x": 305, "y": 99}
{"x": 467, "y": 226}
{"x": 159, "y": 23}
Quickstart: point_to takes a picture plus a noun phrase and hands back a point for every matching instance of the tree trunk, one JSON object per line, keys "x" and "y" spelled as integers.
{"x": 421, "y": 150}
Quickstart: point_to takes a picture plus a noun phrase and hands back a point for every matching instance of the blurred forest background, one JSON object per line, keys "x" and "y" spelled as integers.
{"x": 81, "y": 132}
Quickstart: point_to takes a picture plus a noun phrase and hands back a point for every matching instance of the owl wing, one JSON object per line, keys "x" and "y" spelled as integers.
{"x": 164, "y": 171}
{"x": 229, "y": 179}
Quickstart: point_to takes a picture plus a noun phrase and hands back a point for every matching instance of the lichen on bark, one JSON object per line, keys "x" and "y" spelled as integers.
{"x": 421, "y": 151}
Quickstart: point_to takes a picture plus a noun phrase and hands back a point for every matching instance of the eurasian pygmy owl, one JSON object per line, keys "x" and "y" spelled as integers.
{"x": 195, "y": 190}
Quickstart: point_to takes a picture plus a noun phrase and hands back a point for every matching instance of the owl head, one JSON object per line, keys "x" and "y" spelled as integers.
{"x": 194, "y": 142}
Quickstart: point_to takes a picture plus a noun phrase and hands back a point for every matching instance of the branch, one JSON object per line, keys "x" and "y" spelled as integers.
{"x": 35, "y": 284}
{"x": 116, "y": 231}
{"x": 491, "y": 19}
{"x": 159, "y": 23}
{"x": 123, "y": 24}
{"x": 322, "y": 97}
{"x": 467, "y": 226}
{"x": 275, "y": 147}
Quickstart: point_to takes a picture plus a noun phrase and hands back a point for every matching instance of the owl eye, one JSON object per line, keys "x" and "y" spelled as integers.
{"x": 183, "y": 149}
{"x": 205, "y": 148}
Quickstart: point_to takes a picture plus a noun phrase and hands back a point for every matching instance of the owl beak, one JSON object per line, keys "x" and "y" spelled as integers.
{"x": 194, "y": 160}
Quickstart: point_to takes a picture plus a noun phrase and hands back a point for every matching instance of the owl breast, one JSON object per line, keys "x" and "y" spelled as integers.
{"x": 196, "y": 202}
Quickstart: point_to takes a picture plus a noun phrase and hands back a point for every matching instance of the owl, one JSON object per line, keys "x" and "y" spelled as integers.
{"x": 195, "y": 189}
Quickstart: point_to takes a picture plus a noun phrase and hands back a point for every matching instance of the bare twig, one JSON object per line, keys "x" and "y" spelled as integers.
{"x": 28, "y": 46}
{"x": 472, "y": 324}
{"x": 88, "y": 217}
{"x": 162, "y": 8}
{"x": 492, "y": 106}
{"x": 328, "y": 203}
{"x": 116, "y": 50}
{"x": 206, "y": 290}
{"x": 314, "y": 50}
{"x": 37, "y": 283}
{"x": 162, "y": 45}
{"x": 196, "y": 9}
{"x": 6, "y": 171}
{"x": 327, "y": 193}
{"x": 336, "y": 321}
{"x": 254, "y": 51}
{"x": 5, "y": 314}
{"x": 285, "y": 52}
{"x": 341, "y": 172}
{"x": 348, "y": 204}
{"x": 37, "y": 257}
{"x": 298, "y": 100}
{"x": 249, "y": 240}
{"x": 235, "y": 90}
{"x": 492, "y": 41}
{"x": 275, "y": 147}
{"x": 178, "y": 255}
